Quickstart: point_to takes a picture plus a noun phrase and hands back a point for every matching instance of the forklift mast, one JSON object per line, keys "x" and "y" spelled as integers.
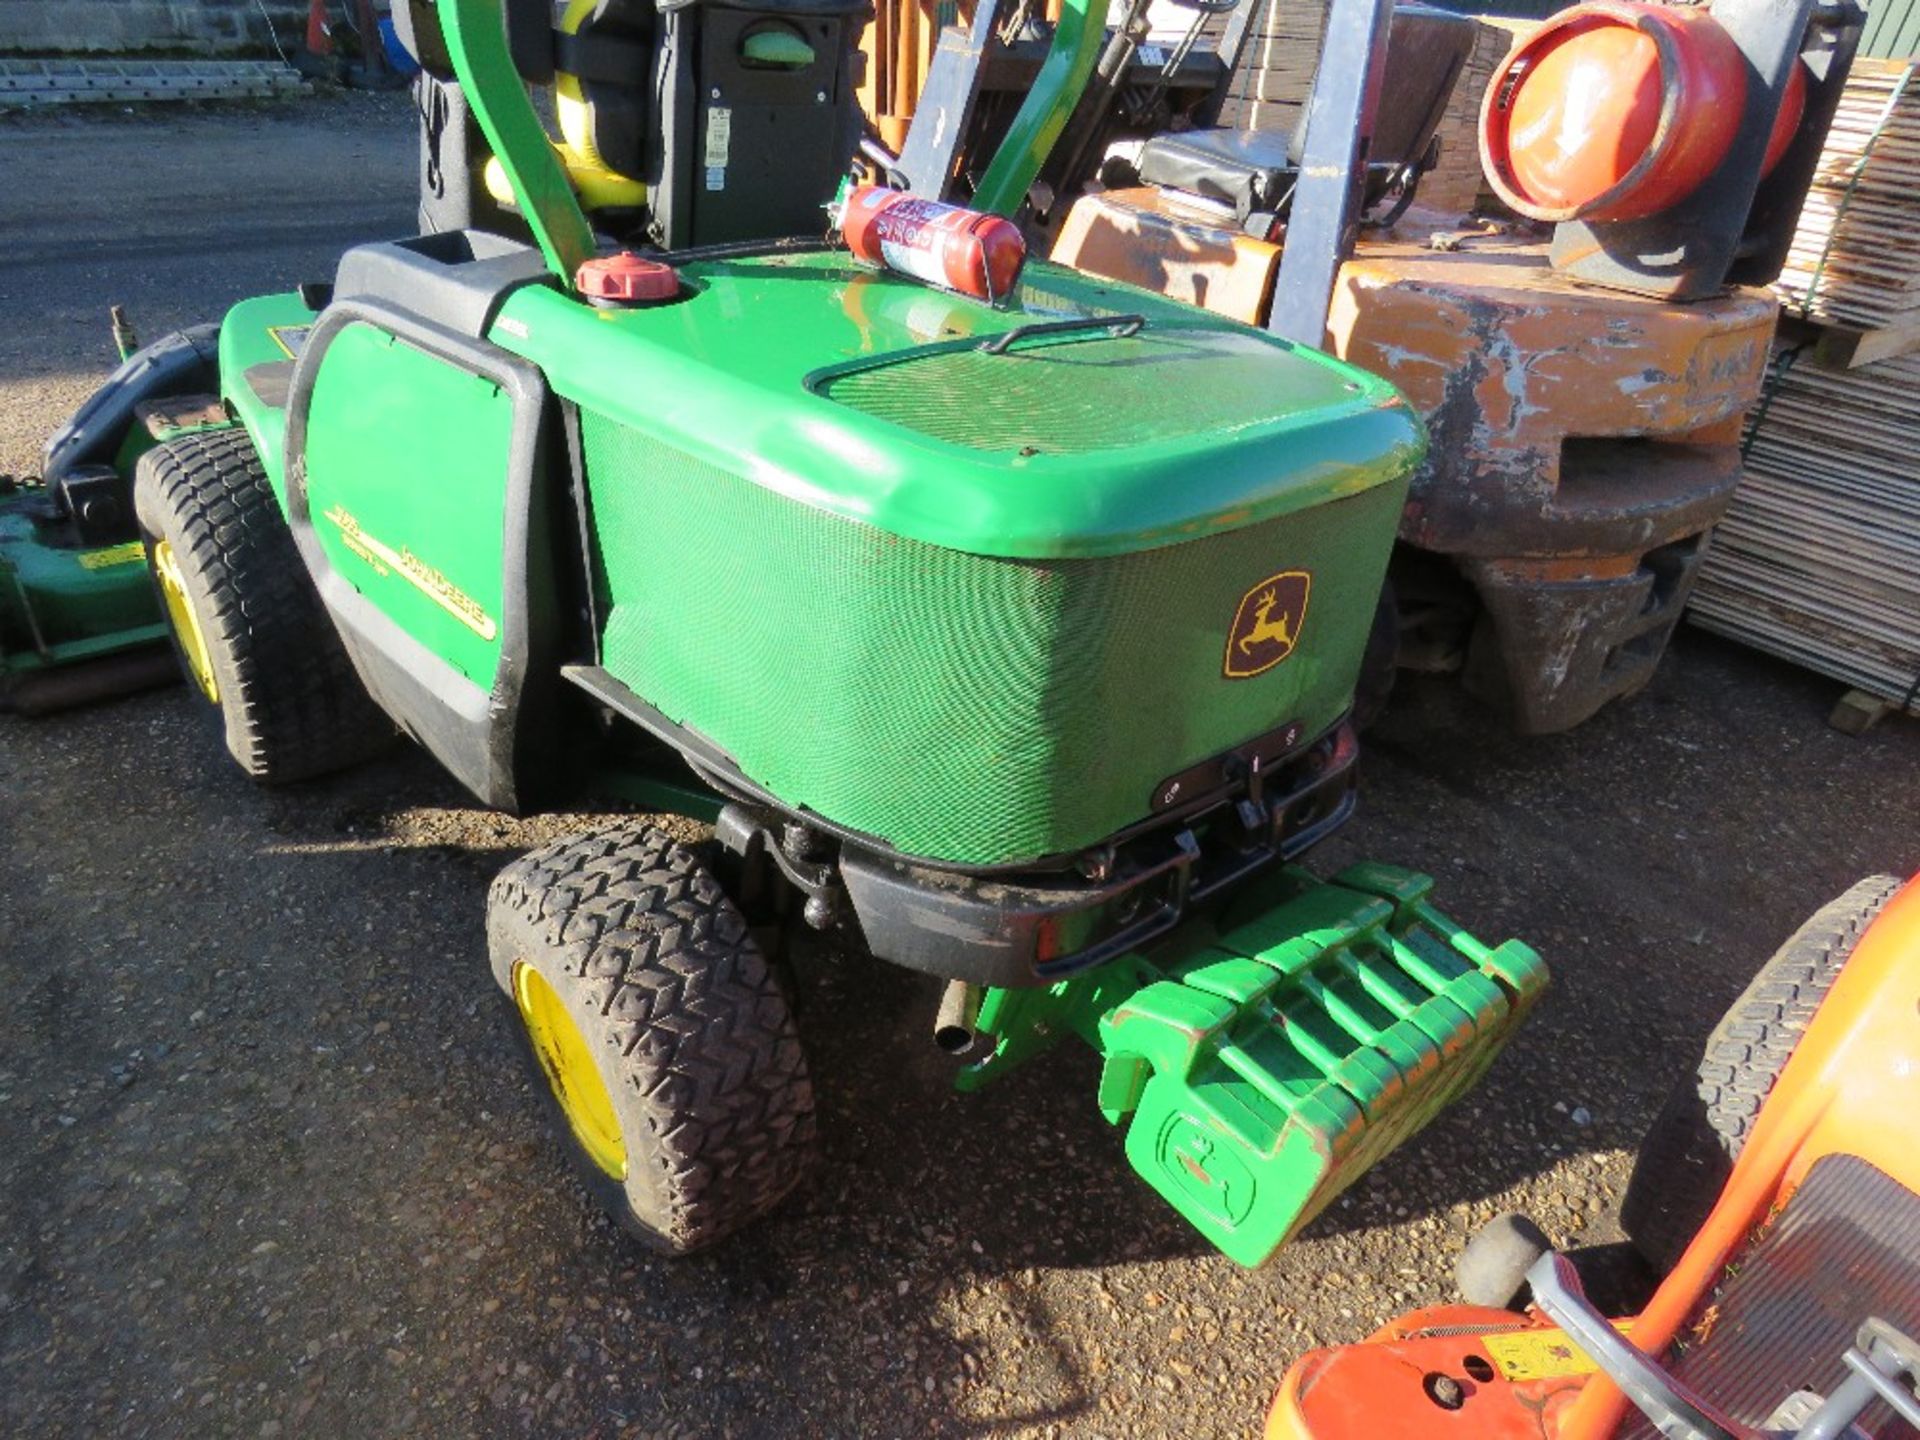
{"x": 1333, "y": 169}
{"x": 1327, "y": 198}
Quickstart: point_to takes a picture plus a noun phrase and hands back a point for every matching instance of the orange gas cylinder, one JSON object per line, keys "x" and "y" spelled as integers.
{"x": 1613, "y": 110}
{"x": 1786, "y": 124}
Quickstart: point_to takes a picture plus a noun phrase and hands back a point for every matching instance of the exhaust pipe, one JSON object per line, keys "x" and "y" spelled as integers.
{"x": 953, "y": 1022}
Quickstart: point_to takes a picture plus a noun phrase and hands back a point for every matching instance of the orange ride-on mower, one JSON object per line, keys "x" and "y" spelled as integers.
{"x": 1780, "y": 1191}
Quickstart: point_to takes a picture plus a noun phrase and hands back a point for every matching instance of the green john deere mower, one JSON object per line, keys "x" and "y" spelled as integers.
{"x": 1014, "y": 639}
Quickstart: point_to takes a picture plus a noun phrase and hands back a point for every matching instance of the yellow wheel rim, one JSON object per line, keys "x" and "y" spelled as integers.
{"x": 570, "y": 1070}
{"x": 186, "y": 628}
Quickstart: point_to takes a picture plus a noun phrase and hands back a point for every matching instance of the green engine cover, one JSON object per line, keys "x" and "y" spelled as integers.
{"x": 978, "y": 605}
{"x": 967, "y": 707}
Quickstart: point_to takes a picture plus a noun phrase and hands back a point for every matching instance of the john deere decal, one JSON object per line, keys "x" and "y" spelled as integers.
{"x": 410, "y": 567}
{"x": 1267, "y": 626}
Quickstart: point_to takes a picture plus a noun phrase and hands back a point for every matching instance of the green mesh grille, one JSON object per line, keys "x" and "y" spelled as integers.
{"x": 1157, "y": 385}
{"x": 960, "y": 707}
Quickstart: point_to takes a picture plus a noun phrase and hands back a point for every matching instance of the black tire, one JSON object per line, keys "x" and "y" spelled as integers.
{"x": 292, "y": 706}
{"x": 690, "y": 1032}
{"x": 1379, "y": 663}
{"x": 1690, "y": 1148}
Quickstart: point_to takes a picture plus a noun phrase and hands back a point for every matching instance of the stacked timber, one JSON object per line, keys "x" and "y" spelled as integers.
{"x": 1275, "y": 74}
{"x": 1855, "y": 259}
{"x": 1818, "y": 559}
{"x": 1456, "y": 185}
{"x": 1275, "y": 77}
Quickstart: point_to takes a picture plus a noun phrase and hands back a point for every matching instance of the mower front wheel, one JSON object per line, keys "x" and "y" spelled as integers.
{"x": 661, "y": 1036}
{"x": 245, "y": 620}
{"x": 1689, "y": 1150}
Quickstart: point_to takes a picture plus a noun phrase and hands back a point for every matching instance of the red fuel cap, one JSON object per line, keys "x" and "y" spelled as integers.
{"x": 627, "y": 279}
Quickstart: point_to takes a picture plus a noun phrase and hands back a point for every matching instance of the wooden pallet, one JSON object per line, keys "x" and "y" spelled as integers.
{"x": 1847, "y": 347}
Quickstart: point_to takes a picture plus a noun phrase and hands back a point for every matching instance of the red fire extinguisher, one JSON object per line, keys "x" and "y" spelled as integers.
{"x": 969, "y": 251}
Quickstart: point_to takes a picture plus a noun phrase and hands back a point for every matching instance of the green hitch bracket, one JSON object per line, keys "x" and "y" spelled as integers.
{"x": 1270, "y": 1057}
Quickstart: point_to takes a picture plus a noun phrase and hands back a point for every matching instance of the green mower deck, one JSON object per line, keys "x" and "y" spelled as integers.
{"x": 62, "y": 606}
{"x": 79, "y": 619}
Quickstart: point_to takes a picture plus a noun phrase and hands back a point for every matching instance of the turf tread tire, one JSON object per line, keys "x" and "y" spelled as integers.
{"x": 657, "y": 967}
{"x": 1689, "y": 1150}
{"x": 291, "y": 704}
{"x": 1379, "y": 663}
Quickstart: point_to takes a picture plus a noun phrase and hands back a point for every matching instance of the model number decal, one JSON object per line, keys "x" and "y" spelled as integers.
{"x": 416, "y": 572}
{"x": 719, "y": 136}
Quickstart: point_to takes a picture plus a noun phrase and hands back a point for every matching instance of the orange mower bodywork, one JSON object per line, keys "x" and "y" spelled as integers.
{"x": 1851, "y": 1088}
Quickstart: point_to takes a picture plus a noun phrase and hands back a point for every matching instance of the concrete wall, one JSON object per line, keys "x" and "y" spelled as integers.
{"x": 201, "y": 27}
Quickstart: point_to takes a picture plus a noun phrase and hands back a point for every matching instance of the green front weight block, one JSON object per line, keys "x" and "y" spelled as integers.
{"x": 1272, "y": 1058}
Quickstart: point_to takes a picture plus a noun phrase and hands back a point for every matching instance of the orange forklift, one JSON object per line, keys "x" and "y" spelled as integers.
{"x": 1779, "y": 1190}
{"x": 1584, "y": 395}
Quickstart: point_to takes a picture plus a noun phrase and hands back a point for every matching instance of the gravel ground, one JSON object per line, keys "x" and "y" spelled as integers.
{"x": 269, "y": 1164}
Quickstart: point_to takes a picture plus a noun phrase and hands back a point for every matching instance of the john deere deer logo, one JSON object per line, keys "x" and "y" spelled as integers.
{"x": 1267, "y": 626}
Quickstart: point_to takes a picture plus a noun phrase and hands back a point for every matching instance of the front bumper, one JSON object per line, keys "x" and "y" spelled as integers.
{"x": 1011, "y": 931}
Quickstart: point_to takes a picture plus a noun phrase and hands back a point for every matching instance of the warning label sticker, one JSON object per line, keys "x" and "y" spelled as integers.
{"x": 719, "y": 136}
{"x": 290, "y": 338}
{"x": 1540, "y": 1354}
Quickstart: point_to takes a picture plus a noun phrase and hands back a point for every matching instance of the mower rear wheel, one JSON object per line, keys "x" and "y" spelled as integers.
{"x": 246, "y": 622}
{"x": 662, "y": 1038}
{"x": 1690, "y": 1148}
{"x": 1379, "y": 664}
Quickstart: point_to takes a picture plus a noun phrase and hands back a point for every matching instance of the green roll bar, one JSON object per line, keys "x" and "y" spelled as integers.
{"x": 476, "y": 33}
{"x": 477, "y": 45}
{"x": 1049, "y": 104}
